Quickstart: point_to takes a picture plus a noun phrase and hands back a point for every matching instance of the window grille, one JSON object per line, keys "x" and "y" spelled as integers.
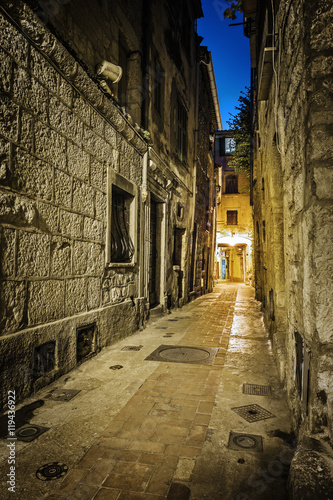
{"x": 122, "y": 248}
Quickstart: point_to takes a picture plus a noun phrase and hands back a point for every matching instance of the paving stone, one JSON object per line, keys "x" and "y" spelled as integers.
{"x": 122, "y": 482}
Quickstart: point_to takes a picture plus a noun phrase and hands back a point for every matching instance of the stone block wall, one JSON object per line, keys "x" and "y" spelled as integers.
{"x": 293, "y": 206}
{"x": 59, "y": 136}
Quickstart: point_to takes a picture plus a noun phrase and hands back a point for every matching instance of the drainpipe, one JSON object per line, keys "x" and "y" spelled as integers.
{"x": 144, "y": 192}
{"x": 214, "y": 91}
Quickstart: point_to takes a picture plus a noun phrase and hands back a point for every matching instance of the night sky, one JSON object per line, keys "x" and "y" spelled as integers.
{"x": 230, "y": 51}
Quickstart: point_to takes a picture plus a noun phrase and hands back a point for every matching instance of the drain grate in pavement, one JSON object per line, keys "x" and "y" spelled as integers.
{"x": 253, "y": 413}
{"x": 132, "y": 348}
{"x": 172, "y": 319}
{"x": 257, "y": 390}
{"x": 51, "y": 471}
{"x": 184, "y": 354}
{"x": 30, "y": 432}
{"x": 64, "y": 395}
{"x": 243, "y": 442}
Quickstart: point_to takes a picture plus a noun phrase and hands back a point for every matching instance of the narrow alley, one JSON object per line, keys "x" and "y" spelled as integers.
{"x": 204, "y": 417}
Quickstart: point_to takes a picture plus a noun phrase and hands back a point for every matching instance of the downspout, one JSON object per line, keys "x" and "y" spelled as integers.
{"x": 214, "y": 91}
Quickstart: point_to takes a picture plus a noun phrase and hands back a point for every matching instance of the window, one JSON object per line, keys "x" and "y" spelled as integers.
{"x": 181, "y": 132}
{"x": 177, "y": 250}
{"x": 226, "y": 146}
{"x": 232, "y": 216}
{"x": 230, "y": 145}
{"x": 122, "y": 248}
{"x": 121, "y": 232}
{"x": 231, "y": 184}
{"x": 122, "y": 84}
{"x": 158, "y": 87}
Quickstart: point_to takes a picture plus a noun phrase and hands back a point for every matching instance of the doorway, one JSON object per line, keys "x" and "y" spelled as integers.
{"x": 153, "y": 256}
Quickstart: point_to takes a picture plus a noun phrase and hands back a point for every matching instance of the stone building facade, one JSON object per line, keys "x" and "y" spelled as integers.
{"x": 291, "y": 52}
{"x": 204, "y": 230}
{"x": 97, "y": 131}
{"x": 234, "y": 214}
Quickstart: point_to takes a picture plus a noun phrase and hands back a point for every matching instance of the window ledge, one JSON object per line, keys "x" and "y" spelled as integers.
{"x": 121, "y": 264}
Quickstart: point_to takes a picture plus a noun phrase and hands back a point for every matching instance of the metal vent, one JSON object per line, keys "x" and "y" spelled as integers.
{"x": 86, "y": 341}
{"x": 43, "y": 359}
{"x": 253, "y": 413}
{"x": 257, "y": 390}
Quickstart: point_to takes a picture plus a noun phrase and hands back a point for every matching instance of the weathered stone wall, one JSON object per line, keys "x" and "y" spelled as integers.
{"x": 59, "y": 136}
{"x": 293, "y": 205}
{"x": 205, "y": 188}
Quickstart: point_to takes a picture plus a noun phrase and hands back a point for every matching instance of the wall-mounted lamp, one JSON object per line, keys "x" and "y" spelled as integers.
{"x": 108, "y": 70}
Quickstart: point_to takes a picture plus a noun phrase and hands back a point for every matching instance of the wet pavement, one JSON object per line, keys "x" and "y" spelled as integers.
{"x": 205, "y": 423}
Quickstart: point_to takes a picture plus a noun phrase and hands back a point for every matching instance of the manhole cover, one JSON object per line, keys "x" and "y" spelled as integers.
{"x": 249, "y": 442}
{"x": 65, "y": 395}
{"x": 49, "y": 472}
{"x": 183, "y": 354}
{"x": 257, "y": 390}
{"x": 132, "y": 348}
{"x": 116, "y": 367}
{"x": 253, "y": 413}
{"x": 30, "y": 432}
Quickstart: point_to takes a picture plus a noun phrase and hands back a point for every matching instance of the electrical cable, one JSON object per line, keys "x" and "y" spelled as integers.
{"x": 275, "y": 80}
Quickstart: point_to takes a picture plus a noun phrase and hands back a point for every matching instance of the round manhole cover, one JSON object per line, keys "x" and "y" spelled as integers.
{"x": 51, "y": 471}
{"x": 28, "y": 431}
{"x": 184, "y": 354}
{"x": 245, "y": 441}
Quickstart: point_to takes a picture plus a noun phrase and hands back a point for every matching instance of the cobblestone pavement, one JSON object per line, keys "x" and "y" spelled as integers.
{"x": 169, "y": 438}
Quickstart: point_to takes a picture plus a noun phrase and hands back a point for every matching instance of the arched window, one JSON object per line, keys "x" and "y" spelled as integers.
{"x": 231, "y": 184}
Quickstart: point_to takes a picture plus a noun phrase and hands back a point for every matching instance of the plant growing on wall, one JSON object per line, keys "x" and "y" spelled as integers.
{"x": 231, "y": 12}
{"x": 240, "y": 124}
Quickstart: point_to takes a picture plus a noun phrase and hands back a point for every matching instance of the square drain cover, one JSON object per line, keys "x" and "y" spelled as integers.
{"x": 65, "y": 395}
{"x": 257, "y": 390}
{"x": 249, "y": 442}
{"x": 184, "y": 354}
{"x": 30, "y": 432}
{"x": 132, "y": 348}
{"x": 253, "y": 413}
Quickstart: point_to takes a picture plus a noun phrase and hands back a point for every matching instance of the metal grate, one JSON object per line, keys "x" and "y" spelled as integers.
{"x": 249, "y": 442}
{"x": 64, "y": 395}
{"x": 253, "y": 413}
{"x": 132, "y": 348}
{"x": 51, "y": 471}
{"x": 257, "y": 390}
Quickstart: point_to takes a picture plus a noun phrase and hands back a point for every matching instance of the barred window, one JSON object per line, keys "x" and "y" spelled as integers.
{"x": 122, "y": 221}
{"x": 122, "y": 248}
